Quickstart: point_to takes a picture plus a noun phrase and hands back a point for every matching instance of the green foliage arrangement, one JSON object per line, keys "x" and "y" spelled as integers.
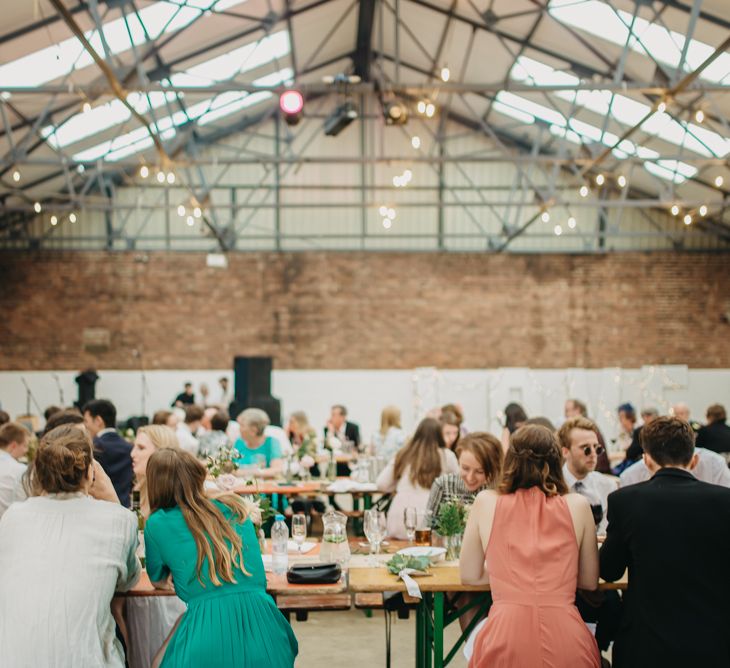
{"x": 451, "y": 519}
{"x": 400, "y": 561}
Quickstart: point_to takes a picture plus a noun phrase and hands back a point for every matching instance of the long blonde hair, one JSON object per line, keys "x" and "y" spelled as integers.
{"x": 163, "y": 438}
{"x": 390, "y": 417}
{"x": 177, "y": 478}
{"x": 423, "y": 454}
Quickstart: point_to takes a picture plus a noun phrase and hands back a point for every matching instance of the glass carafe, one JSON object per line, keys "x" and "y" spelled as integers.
{"x": 335, "y": 547}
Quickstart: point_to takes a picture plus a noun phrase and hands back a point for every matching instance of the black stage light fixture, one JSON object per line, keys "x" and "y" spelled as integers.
{"x": 395, "y": 112}
{"x": 340, "y": 118}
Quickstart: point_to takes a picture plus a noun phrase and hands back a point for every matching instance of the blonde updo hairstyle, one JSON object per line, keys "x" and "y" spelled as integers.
{"x": 62, "y": 461}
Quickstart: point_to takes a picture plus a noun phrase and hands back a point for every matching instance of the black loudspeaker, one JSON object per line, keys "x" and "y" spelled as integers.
{"x": 137, "y": 421}
{"x": 86, "y": 381}
{"x": 252, "y": 387}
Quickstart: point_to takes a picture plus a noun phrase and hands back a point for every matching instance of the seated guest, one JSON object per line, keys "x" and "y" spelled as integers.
{"x": 480, "y": 466}
{"x": 65, "y": 416}
{"x": 451, "y": 429}
{"x": 458, "y": 411}
{"x": 211, "y": 550}
{"x": 715, "y": 435}
{"x": 576, "y": 408}
{"x": 633, "y": 454}
{"x": 391, "y": 437}
{"x": 710, "y": 467}
{"x": 627, "y": 420}
{"x": 514, "y": 417}
{"x": 187, "y": 430}
{"x": 113, "y": 452}
{"x": 681, "y": 411}
{"x": 166, "y": 418}
{"x": 14, "y": 439}
{"x": 212, "y": 441}
{"x": 299, "y": 430}
{"x": 673, "y": 534}
{"x": 410, "y": 474}
{"x": 62, "y": 556}
{"x": 578, "y": 438}
{"x": 540, "y": 545}
{"x": 51, "y": 410}
{"x": 4, "y": 418}
{"x": 338, "y": 427}
{"x": 255, "y": 448}
{"x": 542, "y": 421}
{"x": 149, "y": 439}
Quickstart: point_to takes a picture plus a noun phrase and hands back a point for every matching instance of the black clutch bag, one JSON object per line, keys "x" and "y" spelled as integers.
{"x": 306, "y": 574}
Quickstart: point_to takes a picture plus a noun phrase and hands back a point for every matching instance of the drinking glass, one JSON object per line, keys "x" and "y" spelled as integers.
{"x": 409, "y": 521}
{"x": 376, "y": 529}
{"x": 299, "y": 529}
{"x": 424, "y": 522}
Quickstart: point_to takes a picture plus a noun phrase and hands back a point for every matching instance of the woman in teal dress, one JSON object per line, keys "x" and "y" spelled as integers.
{"x": 211, "y": 550}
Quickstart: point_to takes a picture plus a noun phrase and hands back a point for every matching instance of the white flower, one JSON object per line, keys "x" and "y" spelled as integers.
{"x": 307, "y": 461}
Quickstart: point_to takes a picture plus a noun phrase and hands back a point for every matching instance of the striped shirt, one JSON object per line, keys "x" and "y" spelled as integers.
{"x": 450, "y": 487}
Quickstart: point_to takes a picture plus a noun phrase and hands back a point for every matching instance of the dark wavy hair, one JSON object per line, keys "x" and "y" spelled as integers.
{"x": 533, "y": 459}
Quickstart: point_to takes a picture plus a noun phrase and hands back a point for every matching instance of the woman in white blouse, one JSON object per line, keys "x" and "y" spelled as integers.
{"x": 391, "y": 436}
{"x": 412, "y": 471}
{"x": 63, "y": 554}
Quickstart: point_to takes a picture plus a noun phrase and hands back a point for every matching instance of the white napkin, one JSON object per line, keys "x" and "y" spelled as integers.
{"x": 411, "y": 585}
{"x": 344, "y": 486}
{"x": 306, "y": 547}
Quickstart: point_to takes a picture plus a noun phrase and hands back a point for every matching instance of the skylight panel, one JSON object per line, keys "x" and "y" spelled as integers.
{"x": 599, "y": 19}
{"x": 205, "y": 111}
{"x": 58, "y": 60}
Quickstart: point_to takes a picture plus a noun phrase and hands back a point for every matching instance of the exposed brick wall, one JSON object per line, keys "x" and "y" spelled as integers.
{"x": 366, "y": 310}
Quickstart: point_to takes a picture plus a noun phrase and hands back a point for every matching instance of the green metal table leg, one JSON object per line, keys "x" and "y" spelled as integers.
{"x": 438, "y": 629}
{"x": 419, "y": 635}
{"x": 428, "y": 644}
{"x": 368, "y": 501}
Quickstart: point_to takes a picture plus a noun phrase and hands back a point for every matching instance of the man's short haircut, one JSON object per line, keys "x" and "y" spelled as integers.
{"x": 68, "y": 416}
{"x": 188, "y": 384}
{"x": 582, "y": 408}
{"x": 650, "y": 410}
{"x": 716, "y": 413}
{"x": 219, "y": 421}
{"x": 579, "y": 422}
{"x": 12, "y": 432}
{"x": 669, "y": 441}
{"x": 193, "y": 413}
{"x": 4, "y": 417}
{"x": 161, "y": 417}
{"x": 50, "y": 411}
{"x": 223, "y": 379}
{"x": 341, "y": 409}
{"x": 628, "y": 410}
{"x": 104, "y": 409}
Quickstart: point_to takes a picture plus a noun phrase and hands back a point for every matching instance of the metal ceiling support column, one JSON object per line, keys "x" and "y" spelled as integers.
{"x": 167, "y": 218}
{"x": 277, "y": 181}
{"x": 363, "y": 55}
{"x": 363, "y": 177}
{"x": 691, "y": 24}
{"x": 441, "y": 200}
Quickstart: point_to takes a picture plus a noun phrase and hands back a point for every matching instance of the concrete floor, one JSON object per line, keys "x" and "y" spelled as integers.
{"x": 349, "y": 639}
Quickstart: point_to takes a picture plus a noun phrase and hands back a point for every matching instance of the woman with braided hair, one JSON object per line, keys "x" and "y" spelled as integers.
{"x": 534, "y": 544}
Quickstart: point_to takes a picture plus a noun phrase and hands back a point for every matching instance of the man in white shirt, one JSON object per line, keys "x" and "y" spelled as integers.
{"x": 14, "y": 440}
{"x": 578, "y": 438}
{"x": 187, "y": 429}
{"x": 710, "y": 467}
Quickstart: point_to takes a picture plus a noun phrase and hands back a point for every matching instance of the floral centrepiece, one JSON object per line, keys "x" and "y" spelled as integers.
{"x": 450, "y": 523}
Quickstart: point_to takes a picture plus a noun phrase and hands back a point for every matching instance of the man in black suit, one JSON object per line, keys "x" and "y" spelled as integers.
{"x": 672, "y": 532}
{"x": 339, "y": 428}
{"x": 111, "y": 451}
{"x": 715, "y": 435}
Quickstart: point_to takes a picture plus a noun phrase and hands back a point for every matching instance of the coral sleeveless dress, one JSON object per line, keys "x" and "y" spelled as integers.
{"x": 532, "y": 560}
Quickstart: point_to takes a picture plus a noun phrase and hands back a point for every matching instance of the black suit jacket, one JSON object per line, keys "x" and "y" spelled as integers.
{"x": 673, "y": 534}
{"x": 715, "y": 437}
{"x": 115, "y": 456}
{"x": 352, "y": 432}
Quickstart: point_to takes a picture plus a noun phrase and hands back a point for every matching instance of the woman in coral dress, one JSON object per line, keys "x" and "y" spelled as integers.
{"x": 534, "y": 544}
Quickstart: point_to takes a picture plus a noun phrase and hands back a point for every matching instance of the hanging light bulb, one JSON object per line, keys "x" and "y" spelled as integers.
{"x": 408, "y": 175}
{"x": 675, "y": 210}
{"x": 397, "y": 181}
{"x": 558, "y": 230}
{"x": 421, "y": 106}
{"x": 181, "y": 211}
{"x": 87, "y": 107}
{"x": 571, "y": 223}
{"x": 719, "y": 181}
{"x": 703, "y": 211}
{"x": 190, "y": 221}
{"x": 80, "y": 169}
{"x": 160, "y": 177}
{"x": 171, "y": 177}
{"x": 144, "y": 171}
{"x": 600, "y": 179}
{"x": 54, "y": 220}
{"x": 430, "y": 110}
{"x": 383, "y": 211}
{"x": 72, "y": 217}
{"x": 387, "y": 223}
{"x": 416, "y": 142}
{"x": 445, "y": 74}
{"x": 545, "y": 217}
{"x": 391, "y": 214}
{"x": 621, "y": 180}
{"x": 661, "y": 107}
{"x": 699, "y": 115}
{"x": 197, "y": 212}
{"x": 37, "y": 207}
{"x": 16, "y": 176}
{"x": 688, "y": 220}
{"x": 583, "y": 191}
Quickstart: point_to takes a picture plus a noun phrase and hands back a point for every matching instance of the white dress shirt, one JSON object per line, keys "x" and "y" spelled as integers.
{"x": 186, "y": 439}
{"x": 11, "y": 487}
{"x": 711, "y": 468}
{"x": 279, "y": 434}
{"x": 596, "y": 487}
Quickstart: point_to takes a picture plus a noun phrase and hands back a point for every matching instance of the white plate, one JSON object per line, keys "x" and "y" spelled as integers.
{"x": 433, "y": 553}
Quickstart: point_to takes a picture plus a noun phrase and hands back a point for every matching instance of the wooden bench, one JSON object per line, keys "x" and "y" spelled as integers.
{"x": 301, "y": 606}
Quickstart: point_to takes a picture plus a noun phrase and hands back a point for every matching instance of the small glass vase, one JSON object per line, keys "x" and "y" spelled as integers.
{"x": 453, "y": 547}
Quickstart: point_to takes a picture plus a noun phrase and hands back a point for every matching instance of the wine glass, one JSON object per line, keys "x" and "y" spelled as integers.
{"x": 299, "y": 529}
{"x": 375, "y": 529}
{"x": 410, "y": 517}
